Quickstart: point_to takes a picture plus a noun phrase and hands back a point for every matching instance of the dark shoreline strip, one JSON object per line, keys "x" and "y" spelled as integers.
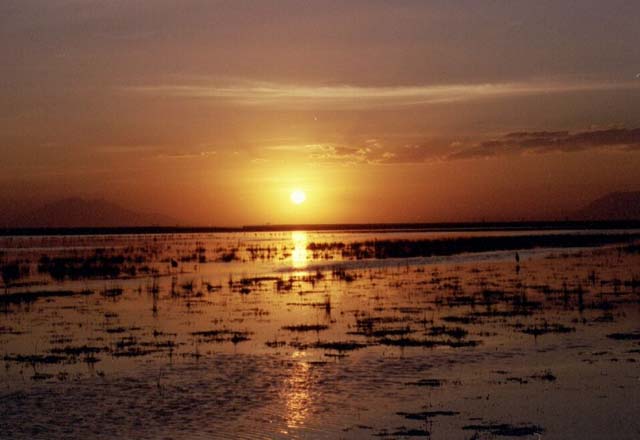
{"x": 415, "y": 227}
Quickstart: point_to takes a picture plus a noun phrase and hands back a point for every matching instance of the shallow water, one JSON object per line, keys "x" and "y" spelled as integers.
{"x": 287, "y": 343}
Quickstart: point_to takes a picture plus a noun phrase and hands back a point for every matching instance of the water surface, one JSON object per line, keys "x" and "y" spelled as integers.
{"x": 261, "y": 335}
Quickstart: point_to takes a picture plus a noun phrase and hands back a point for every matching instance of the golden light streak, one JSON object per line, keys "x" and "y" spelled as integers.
{"x": 299, "y": 254}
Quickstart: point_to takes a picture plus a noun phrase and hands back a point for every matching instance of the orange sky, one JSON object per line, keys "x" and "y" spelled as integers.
{"x": 213, "y": 112}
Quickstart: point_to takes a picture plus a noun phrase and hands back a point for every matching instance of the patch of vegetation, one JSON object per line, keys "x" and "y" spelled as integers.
{"x": 11, "y": 272}
{"x": 29, "y": 297}
{"x": 112, "y": 292}
{"x": 429, "y": 343}
{"x": 35, "y": 359}
{"x": 97, "y": 265}
{"x": 228, "y": 257}
{"x": 385, "y": 332}
{"x": 275, "y": 344}
{"x": 222, "y": 335}
{"x": 339, "y": 345}
{"x": 506, "y": 430}
{"x": 305, "y": 327}
{"x": 453, "y": 332}
{"x": 427, "y": 383}
{"x": 133, "y": 352}
{"x": 545, "y": 375}
{"x": 539, "y": 330}
{"x": 404, "y": 432}
{"x": 382, "y": 249}
{"x": 632, "y": 336}
{"x": 77, "y": 351}
{"x": 460, "y": 319}
{"x": 426, "y": 414}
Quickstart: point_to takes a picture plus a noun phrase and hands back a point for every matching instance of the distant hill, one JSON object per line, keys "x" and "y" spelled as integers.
{"x": 81, "y": 213}
{"x": 613, "y": 206}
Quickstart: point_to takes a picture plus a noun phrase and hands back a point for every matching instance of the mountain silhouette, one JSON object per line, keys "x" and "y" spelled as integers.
{"x": 79, "y": 213}
{"x": 613, "y": 206}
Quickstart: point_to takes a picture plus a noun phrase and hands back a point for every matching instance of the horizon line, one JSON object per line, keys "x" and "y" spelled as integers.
{"x": 319, "y": 227}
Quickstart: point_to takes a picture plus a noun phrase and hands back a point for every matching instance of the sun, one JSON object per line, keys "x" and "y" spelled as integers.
{"x": 298, "y": 197}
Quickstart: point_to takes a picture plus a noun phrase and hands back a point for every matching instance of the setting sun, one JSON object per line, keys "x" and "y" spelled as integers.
{"x": 298, "y": 197}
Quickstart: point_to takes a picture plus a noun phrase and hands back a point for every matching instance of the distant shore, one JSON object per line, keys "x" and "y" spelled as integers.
{"x": 419, "y": 227}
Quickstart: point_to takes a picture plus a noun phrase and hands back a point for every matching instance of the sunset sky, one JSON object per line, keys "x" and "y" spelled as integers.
{"x": 213, "y": 112}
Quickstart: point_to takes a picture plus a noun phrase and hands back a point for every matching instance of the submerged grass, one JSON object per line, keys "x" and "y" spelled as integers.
{"x": 305, "y": 327}
{"x": 381, "y": 249}
{"x": 506, "y": 430}
{"x": 428, "y": 343}
{"x": 339, "y": 345}
{"x": 631, "y": 336}
{"x": 222, "y": 335}
{"x": 28, "y": 297}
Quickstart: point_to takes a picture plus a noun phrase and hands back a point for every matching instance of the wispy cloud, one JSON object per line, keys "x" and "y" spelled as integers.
{"x": 338, "y": 153}
{"x": 517, "y": 143}
{"x": 125, "y": 149}
{"x": 371, "y": 151}
{"x": 538, "y": 142}
{"x": 255, "y": 93}
{"x": 186, "y": 155}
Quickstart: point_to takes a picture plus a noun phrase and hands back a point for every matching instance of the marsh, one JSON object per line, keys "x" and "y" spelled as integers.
{"x": 344, "y": 334}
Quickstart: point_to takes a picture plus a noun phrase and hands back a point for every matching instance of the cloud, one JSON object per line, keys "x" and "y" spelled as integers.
{"x": 338, "y": 153}
{"x": 538, "y": 142}
{"x": 371, "y": 152}
{"x": 189, "y": 155}
{"x": 125, "y": 149}
{"x": 524, "y": 142}
{"x": 257, "y": 93}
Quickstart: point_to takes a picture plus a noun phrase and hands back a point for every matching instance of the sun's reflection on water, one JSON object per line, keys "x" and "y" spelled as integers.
{"x": 299, "y": 254}
{"x": 297, "y": 392}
